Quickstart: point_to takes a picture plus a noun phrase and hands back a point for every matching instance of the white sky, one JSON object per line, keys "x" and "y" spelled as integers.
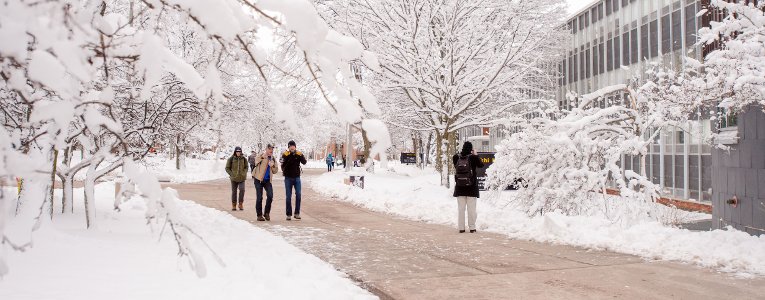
{"x": 575, "y": 5}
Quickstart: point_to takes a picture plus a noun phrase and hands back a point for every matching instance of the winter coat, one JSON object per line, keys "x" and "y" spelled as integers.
{"x": 470, "y": 191}
{"x": 236, "y": 167}
{"x": 330, "y": 159}
{"x": 261, "y": 165}
{"x": 251, "y": 159}
{"x": 291, "y": 163}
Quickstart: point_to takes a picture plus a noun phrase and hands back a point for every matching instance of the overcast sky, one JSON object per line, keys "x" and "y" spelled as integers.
{"x": 575, "y": 5}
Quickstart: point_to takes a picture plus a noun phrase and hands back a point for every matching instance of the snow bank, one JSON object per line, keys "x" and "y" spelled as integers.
{"x": 416, "y": 195}
{"x": 123, "y": 258}
{"x": 196, "y": 169}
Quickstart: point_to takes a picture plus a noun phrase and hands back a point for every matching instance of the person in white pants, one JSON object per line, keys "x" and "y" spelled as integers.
{"x": 466, "y": 185}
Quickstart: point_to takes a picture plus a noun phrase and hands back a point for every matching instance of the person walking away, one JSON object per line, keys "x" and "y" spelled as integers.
{"x": 265, "y": 168}
{"x": 344, "y": 161}
{"x": 251, "y": 159}
{"x": 330, "y": 162}
{"x": 291, "y": 160}
{"x": 236, "y": 167}
{"x": 466, "y": 185}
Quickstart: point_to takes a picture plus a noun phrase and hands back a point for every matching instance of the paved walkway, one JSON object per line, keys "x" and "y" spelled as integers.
{"x": 400, "y": 259}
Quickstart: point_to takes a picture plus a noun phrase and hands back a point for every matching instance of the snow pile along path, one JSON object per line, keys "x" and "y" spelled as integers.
{"x": 417, "y": 195}
{"x": 123, "y": 258}
{"x": 196, "y": 170}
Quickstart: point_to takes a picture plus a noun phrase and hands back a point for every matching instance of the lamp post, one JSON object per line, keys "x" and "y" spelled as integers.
{"x": 357, "y": 74}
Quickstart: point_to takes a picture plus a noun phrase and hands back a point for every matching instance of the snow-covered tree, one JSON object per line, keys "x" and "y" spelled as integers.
{"x": 564, "y": 162}
{"x": 450, "y": 64}
{"x": 115, "y": 77}
{"x": 735, "y": 72}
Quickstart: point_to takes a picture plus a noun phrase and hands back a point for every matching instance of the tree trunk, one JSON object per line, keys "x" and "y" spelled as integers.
{"x": 428, "y": 149}
{"x": 179, "y": 164}
{"x": 439, "y": 149}
{"x": 369, "y": 163}
{"x": 443, "y": 156}
{"x": 67, "y": 192}
{"x": 416, "y": 149}
{"x": 53, "y": 181}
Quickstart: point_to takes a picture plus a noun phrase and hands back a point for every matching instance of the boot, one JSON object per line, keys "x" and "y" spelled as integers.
{"x": 267, "y": 217}
{"x": 297, "y": 216}
{"x": 240, "y": 206}
{"x": 233, "y": 206}
{"x": 260, "y": 218}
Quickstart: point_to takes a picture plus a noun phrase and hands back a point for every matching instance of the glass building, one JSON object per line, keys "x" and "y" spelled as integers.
{"x": 614, "y": 41}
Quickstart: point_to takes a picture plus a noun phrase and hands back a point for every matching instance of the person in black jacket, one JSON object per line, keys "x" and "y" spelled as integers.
{"x": 291, "y": 160}
{"x": 467, "y": 195}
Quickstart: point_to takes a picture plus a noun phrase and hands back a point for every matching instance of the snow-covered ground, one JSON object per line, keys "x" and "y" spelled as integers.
{"x": 196, "y": 169}
{"x": 123, "y": 258}
{"x": 416, "y": 194}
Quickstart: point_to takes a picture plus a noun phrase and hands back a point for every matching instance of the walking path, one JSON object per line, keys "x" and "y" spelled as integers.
{"x": 401, "y": 259}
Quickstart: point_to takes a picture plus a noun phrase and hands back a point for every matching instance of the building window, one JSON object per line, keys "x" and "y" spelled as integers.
{"x": 665, "y": 37}
{"x": 610, "y": 55}
{"x": 676, "y": 30}
{"x": 587, "y": 62}
{"x": 654, "y": 28}
{"x": 595, "y": 60}
{"x": 575, "y": 66}
{"x": 727, "y": 118}
{"x": 617, "y": 55}
{"x": 586, "y": 19}
{"x": 625, "y": 49}
{"x": 600, "y": 11}
{"x": 635, "y": 55}
{"x": 608, "y": 7}
{"x": 601, "y": 65}
{"x": 571, "y": 66}
{"x": 690, "y": 25}
{"x": 644, "y": 41}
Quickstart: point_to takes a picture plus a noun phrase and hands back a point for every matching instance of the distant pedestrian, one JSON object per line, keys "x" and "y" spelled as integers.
{"x": 466, "y": 185}
{"x": 251, "y": 159}
{"x": 236, "y": 167}
{"x": 291, "y": 160}
{"x": 265, "y": 168}
{"x": 330, "y": 162}
{"x": 344, "y": 161}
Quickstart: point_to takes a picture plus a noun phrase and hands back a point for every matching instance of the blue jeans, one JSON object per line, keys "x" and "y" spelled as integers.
{"x": 289, "y": 183}
{"x": 259, "y": 186}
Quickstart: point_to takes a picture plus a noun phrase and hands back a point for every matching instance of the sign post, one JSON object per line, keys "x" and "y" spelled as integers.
{"x": 487, "y": 158}
{"x": 408, "y": 158}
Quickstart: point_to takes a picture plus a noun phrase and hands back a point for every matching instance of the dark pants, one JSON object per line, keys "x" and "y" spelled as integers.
{"x": 329, "y": 167}
{"x": 234, "y": 187}
{"x": 259, "y": 186}
{"x": 289, "y": 183}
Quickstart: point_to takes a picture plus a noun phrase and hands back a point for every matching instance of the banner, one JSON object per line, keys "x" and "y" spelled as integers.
{"x": 408, "y": 158}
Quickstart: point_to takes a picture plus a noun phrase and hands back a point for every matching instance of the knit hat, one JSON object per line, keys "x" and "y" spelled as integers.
{"x": 238, "y": 149}
{"x": 291, "y": 143}
{"x": 467, "y": 147}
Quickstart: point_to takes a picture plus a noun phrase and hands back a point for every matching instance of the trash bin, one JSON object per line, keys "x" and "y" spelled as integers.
{"x": 357, "y": 181}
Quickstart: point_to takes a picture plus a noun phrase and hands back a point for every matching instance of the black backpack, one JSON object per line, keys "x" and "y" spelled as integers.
{"x": 464, "y": 172}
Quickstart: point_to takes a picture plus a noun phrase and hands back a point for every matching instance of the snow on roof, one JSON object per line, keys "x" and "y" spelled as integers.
{"x": 583, "y": 9}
